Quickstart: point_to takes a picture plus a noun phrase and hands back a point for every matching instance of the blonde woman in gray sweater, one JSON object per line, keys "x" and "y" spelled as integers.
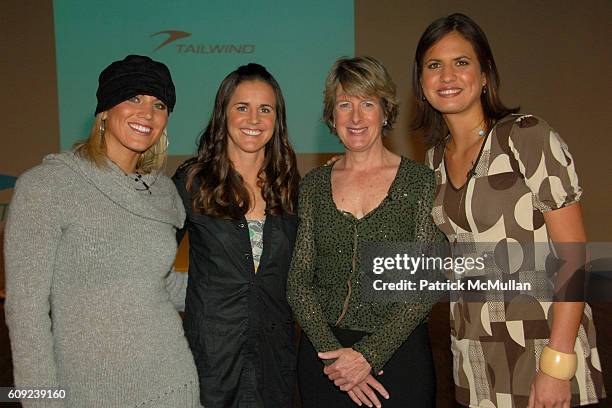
{"x": 89, "y": 240}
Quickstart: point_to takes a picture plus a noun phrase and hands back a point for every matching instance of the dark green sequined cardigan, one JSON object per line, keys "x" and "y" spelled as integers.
{"x": 326, "y": 262}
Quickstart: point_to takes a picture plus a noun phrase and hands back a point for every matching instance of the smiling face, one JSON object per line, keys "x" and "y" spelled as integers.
{"x": 452, "y": 79}
{"x": 251, "y": 116}
{"x": 358, "y": 120}
{"x": 133, "y": 126}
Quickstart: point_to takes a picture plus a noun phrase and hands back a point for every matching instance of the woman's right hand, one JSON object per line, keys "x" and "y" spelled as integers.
{"x": 363, "y": 393}
{"x": 349, "y": 368}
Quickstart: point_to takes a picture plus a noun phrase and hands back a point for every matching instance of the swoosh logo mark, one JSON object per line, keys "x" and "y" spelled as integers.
{"x": 173, "y": 35}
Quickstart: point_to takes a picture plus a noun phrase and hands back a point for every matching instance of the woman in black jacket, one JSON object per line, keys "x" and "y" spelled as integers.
{"x": 240, "y": 195}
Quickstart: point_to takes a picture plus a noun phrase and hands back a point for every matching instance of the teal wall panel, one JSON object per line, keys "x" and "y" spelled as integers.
{"x": 201, "y": 42}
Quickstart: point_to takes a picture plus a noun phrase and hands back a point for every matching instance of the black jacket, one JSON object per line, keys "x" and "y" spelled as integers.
{"x": 238, "y": 323}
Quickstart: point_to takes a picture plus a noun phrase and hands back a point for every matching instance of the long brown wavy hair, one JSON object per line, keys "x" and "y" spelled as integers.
{"x": 218, "y": 190}
{"x": 425, "y": 117}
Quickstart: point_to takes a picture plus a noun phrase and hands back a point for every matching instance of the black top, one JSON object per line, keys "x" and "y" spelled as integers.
{"x": 238, "y": 323}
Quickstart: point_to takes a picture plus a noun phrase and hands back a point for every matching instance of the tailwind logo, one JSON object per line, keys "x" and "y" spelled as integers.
{"x": 173, "y": 35}
{"x": 193, "y": 48}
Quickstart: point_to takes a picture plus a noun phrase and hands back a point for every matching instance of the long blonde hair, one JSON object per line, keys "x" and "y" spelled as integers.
{"x": 94, "y": 149}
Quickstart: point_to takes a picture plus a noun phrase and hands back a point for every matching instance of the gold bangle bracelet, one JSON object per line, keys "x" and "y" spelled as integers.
{"x": 557, "y": 364}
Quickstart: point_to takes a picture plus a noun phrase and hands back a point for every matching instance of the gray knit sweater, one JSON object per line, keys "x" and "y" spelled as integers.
{"x": 88, "y": 305}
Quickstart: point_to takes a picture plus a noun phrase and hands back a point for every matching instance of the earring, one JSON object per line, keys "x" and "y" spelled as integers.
{"x": 162, "y": 144}
{"x": 484, "y": 89}
{"x": 423, "y": 98}
{"x": 385, "y": 122}
{"x": 102, "y": 127}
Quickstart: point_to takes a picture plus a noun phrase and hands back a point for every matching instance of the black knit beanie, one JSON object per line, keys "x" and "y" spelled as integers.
{"x": 134, "y": 75}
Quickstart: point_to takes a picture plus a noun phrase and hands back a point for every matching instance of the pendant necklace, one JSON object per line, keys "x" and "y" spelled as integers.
{"x": 471, "y": 172}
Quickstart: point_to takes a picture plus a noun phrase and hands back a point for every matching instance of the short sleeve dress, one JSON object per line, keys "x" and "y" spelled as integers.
{"x": 523, "y": 170}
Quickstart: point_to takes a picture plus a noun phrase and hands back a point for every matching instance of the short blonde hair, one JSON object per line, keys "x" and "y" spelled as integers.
{"x": 94, "y": 149}
{"x": 360, "y": 76}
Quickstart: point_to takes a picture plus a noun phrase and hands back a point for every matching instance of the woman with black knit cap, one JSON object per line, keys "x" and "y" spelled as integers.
{"x": 89, "y": 240}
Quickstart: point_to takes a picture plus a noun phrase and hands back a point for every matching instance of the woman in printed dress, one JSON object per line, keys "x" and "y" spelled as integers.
{"x": 504, "y": 180}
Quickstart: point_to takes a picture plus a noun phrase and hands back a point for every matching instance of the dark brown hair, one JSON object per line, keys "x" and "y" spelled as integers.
{"x": 360, "y": 76}
{"x": 218, "y": 189}
{"x": 426, "y": 118}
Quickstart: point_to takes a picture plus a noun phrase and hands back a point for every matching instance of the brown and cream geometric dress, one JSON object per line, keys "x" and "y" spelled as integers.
{"x": 524, "y": 169}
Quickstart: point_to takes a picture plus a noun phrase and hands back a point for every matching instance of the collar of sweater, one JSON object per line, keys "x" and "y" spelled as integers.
{"x": 159, "y": 203}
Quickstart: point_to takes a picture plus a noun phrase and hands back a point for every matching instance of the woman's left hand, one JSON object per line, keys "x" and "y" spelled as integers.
{"x": 549, "y": 392}
{"x": 349, "y": 369}
{"x": 333, "y": 159}
{"x": 364, "y": 393}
